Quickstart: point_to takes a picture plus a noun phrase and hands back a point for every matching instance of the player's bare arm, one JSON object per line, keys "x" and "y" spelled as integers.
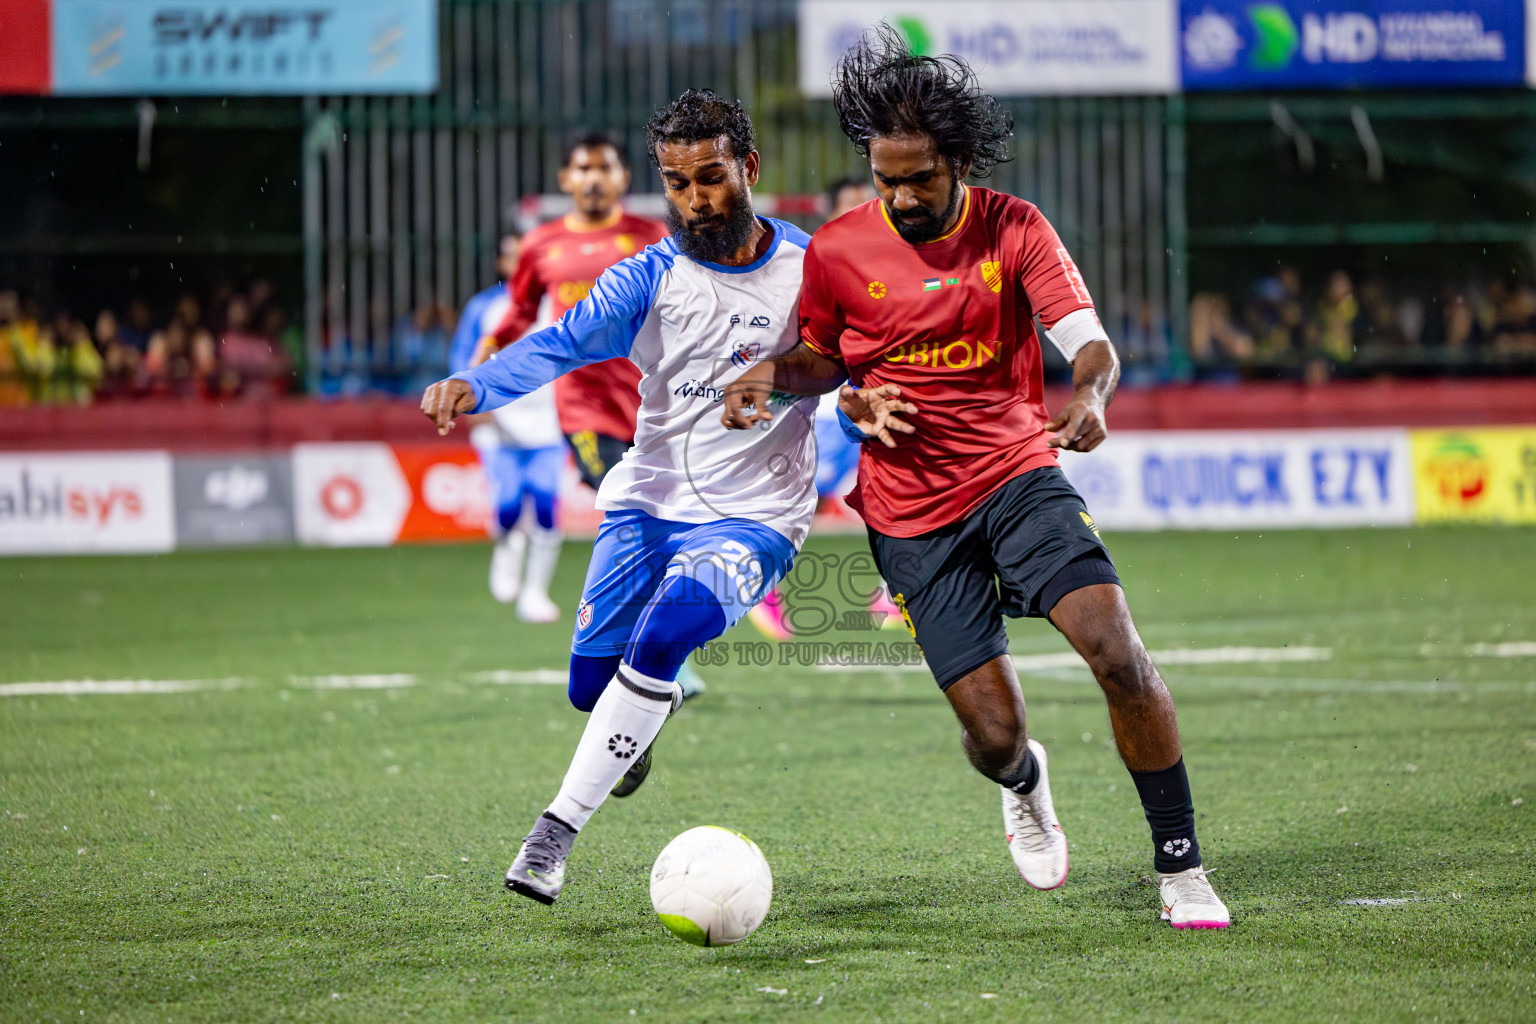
{"x": 1080, "y": 423}
{"x": 801, "y": 371}
{"x": 445, "y": 400}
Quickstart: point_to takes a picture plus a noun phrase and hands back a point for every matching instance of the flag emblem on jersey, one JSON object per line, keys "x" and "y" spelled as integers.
{"x": 877, "y": 289}
{"x": 992, "y": 274}
{"x": 932, "y": 284}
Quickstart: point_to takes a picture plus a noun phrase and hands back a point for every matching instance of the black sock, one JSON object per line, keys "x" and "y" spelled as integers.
{"x": 1024, "y": 777}
{"x": 1171, "y": 813}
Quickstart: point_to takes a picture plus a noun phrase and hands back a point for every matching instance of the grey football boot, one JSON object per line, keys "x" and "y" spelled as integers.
{"x": 539, "y": 870}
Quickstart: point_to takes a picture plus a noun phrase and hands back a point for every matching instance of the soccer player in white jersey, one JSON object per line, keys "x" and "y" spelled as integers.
{"x": 701, "y": 521}
{"x": 523, "y": 456}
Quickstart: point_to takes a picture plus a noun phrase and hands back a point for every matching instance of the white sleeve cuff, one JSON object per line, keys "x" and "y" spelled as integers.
{"x": 1075, "y": 330}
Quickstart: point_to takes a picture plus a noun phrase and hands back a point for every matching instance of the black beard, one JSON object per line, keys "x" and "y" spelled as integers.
{"x": 931, "y": 225}
{"x": 721, "y": 236}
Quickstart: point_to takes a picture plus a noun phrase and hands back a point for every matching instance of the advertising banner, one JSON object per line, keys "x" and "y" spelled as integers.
{"x": 1044, "y": 47}
{"x": 1339, "y": 44}
{"x": 58, "y": 503}
{"x": 269, "y": 47}
{"x": 449, "y": 497}
{"x": 24, "y": 38}
{"x": 233, "y": 500}
{"x": 1152, "y": 480}
{"x": 1481, "y": 475}
{"x": 348, "y": 495}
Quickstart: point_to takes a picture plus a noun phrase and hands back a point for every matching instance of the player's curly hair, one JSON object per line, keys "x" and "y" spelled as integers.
{"x": 697, "y": 115}
{"x": 881, "y": 88}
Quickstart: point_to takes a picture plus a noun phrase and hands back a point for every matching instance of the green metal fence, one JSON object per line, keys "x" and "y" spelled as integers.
{"x": 404, "y": 197}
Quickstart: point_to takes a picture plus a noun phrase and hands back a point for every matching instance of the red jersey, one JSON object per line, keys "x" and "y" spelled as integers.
{"x": 950, "y": 322}
{"x": 564, "y": 262}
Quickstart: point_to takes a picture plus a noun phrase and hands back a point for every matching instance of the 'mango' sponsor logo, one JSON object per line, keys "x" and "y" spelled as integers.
{"x": 57, "y": 501}
{"x": 1460, "y": 472}
{"x": 699, "y": 389}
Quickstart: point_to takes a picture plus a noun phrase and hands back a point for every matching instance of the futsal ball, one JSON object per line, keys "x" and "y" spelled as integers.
{"x": 711, "y": 886}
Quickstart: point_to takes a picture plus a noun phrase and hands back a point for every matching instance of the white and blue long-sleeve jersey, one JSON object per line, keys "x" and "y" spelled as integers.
{"x": 693, "y": 329}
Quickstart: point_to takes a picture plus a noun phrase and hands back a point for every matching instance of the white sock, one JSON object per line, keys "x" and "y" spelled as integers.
{"x": 543, "y": 556}
{"x": 626, "y": 719}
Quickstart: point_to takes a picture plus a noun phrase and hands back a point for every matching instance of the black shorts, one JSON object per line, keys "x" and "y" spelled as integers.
{"x": 595, "y": 454}
{"x": 1024, "y": 548}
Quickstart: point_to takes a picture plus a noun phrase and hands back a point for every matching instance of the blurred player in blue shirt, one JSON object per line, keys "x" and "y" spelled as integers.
{"x": 523, "y": 454}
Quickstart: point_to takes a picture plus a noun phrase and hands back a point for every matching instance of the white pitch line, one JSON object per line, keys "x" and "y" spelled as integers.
{"x": 533, "y": 677}
{"x": 1526, "y": 649}
{"x": 1519, "y": 649}
{"x": 365, "y": 682}
{"x": 101, "y": 687}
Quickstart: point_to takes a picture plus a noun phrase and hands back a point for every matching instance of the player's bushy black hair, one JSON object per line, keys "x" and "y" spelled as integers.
{"x": 881, "y": 88}
{"x": 697, "y": 115}
{"x": 588, "y": 138}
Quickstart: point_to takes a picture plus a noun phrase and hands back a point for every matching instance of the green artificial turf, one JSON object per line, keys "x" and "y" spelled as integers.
{"x": 265, "y": 848}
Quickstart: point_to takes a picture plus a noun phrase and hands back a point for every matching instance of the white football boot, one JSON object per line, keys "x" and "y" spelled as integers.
{"x": 1035, "y": 839}
{"x": 507, "y": 566}
{"x": 1190, "y": 902}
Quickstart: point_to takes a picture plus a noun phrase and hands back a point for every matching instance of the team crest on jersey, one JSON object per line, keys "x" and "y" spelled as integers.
{"x": 992, "y": 274}
{"x": 745, "y": 353}
{"x": 584, "y": 615}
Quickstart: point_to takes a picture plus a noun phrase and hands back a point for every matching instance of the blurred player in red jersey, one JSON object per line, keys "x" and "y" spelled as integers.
{"x": 562, "y": 259}
{"x": 928, "y": 299}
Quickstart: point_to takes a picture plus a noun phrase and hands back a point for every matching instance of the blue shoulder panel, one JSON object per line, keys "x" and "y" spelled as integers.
{"x": 790, "y": 233}
{"x": 601, "y": 326}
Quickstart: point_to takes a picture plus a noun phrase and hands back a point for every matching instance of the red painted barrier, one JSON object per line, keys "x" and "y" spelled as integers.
{"x": 192, "y": 426}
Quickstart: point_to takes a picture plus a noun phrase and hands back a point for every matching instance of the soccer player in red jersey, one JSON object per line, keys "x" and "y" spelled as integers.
{"x": 562, "y": 259}
{"x": 927, "y": 299}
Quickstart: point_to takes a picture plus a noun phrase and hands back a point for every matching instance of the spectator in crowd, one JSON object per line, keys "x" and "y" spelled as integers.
{"x": 1214, "y": 340}
{"x": 32, "y": 351}
{"x": 167, "y": 366}
{"x": 1274, "y": 315}
{"x": 1338, "y": 319}
{"x": 251, "y": 364}
{"x": 120, "y": 360}
{"x": 1514, "y": 316}
{"x": 419, "y": 343}
{"x": 77, "y": 365}
{"x": 1380, "y": 323}
{"x": 13, "y": 384}
{"x": 137, "y": 325}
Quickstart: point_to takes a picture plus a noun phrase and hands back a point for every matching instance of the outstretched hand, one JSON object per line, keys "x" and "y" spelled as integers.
{"x": 446, "y": 399}
{"x": 873, "y": 410}
{"x": 1080, "y": 426}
